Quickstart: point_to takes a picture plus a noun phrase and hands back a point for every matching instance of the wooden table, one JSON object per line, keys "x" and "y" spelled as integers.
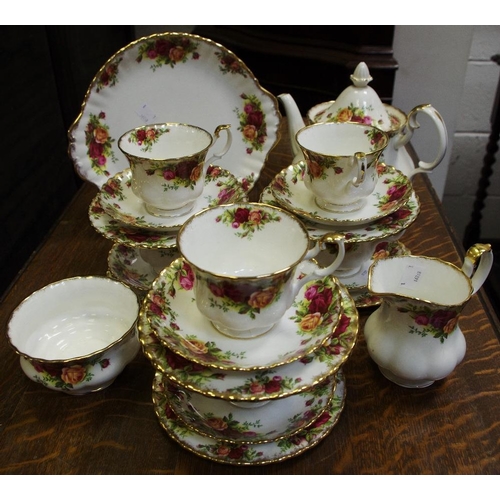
{"x": 451, "y": 427}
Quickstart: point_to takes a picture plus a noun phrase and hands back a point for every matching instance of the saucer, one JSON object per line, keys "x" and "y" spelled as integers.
{"x": 390, "y": 225}
{"x": 383, "y": 250}
{"x": 127, "y": 265}
{"x": 120, "y": 202}
{"x": 115, "y": 231}
{"x": 392, "y": 191}
{"x": 279, "y": 382}
{"x": 248, "y": 454}
{"x": 222, "y": 420}
{"x": 171, "y": 311}
{"x": 363, "y": 299}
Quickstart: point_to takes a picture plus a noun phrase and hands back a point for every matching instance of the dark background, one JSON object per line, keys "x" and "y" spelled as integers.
{"x": 48, "y": 69}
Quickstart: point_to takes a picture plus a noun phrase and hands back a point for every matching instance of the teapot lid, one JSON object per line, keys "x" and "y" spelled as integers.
{"x": 360, "y": 103}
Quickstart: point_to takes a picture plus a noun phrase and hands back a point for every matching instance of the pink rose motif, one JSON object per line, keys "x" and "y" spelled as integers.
{"x": 440, "y": 318}
{"x": 396, "y": 193}
{"x": 321, "y": 302}
{"x": 343, "y": 324}
{"x": 186, "y": 282}
{"x": 255, "y": 118}
{"x": 141, "y": 135}
{"x": 241, "y": 215}
{"x": 256, "y": 388}
{"x": 168, "y": 175}
{"x": 273, "y": 385}
{"x": 95, "y": 149}
{"x": 163, "y": 46}
{"x": 422, "y": 320}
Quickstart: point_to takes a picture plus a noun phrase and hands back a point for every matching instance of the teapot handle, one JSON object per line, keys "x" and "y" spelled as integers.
{"x": 477, "y": 264}
{"x": 412, "y": 124}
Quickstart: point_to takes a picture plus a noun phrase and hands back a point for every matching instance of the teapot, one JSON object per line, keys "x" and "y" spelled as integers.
{"x": 414, "y": 336}
{"x": 359, "y": 103}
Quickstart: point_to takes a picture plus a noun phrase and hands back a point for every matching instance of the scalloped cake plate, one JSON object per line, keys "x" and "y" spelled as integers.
{"x": 174, "y": 77}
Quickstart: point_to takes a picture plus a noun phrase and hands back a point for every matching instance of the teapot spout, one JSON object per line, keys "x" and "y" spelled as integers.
{"x": 295, "y": 123}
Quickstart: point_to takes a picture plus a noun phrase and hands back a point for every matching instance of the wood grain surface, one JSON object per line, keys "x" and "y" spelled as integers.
{"x": 451, "y": 427}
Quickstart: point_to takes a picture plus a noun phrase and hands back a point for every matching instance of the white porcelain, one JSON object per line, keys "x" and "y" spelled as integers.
{"x": 247, "y": 454}
{"x": 392, "y": 191}
{"x": 243, "y": 284}
{"x": 169, "y": 163}
{"x": 119, "y": 201}
{"x": 125, "y": 234}
{"x": 254, "y": 422}
{"x": 134, "y": 228}
{"x": 76, "y": 335}
{"x": 174, "y": 77}
{"x": 392, "y": 225}
{"x": 414, "y": 336}
{"x": 341, "y": 160}
{"x": 359, "y": 103}
{"x": 139, "y": 267}
{"x": 258, "y": 386}
{"x": 173, "y": 314}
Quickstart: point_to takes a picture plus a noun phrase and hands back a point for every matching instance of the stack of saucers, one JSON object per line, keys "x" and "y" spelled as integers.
{"x": 252, "y": 401}
{"x": 143, "y": 243}
{"x": 375, "y": 228}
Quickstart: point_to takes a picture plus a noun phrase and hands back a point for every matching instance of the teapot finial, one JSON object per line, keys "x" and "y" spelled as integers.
{"x": 361, "y": 76}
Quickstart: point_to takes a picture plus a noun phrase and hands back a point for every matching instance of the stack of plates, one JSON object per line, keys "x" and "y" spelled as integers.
{"x": 144, "y": 243}
{"x": 388, "y": 212}
{"x": 251, "y": 401}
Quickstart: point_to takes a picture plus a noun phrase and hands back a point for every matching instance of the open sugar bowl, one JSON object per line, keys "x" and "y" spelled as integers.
{"x": 76, "y": 335}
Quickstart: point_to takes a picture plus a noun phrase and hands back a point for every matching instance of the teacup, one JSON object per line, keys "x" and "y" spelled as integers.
{"x": 250, "y": 261}
{"x": 169, "y": 165}
{"x": 341, "y": 163}
{"x": 76, "y": 335}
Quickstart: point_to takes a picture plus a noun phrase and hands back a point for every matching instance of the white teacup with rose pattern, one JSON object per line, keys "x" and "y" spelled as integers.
{"x": 250, "y": 262}
{"x": 341, "y": 161}
{"x": 168, "y": 164}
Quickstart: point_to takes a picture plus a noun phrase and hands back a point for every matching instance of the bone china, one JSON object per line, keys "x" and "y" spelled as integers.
{"x": 359, "y": 103}
{"x": 76, "y": 335}
{"x": 414, "y": 336}
{"x": 246, "y": 258}
{"x": 341, "y": 160}
{"x": 169, "y": 165}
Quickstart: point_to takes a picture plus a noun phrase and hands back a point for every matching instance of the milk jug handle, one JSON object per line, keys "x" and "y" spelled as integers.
{"x": 412, "y": 124}
{"x": 477, "y": 264}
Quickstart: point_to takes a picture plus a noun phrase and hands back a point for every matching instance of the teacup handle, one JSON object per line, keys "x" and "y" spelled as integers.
{"x": 360, "y": 160}
{"x": 318, "y": 271}
{"x": 412, "y": 124}
{"x": 477, "y": 264}
{"x": 229, "y": 140}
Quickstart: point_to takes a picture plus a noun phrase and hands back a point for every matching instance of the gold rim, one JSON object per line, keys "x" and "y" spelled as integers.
{"x": 85, "y": 356}
{"x": 286, "y": 213}
{"x": 413, "y": 297}
{"x": 74, "y": 125}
